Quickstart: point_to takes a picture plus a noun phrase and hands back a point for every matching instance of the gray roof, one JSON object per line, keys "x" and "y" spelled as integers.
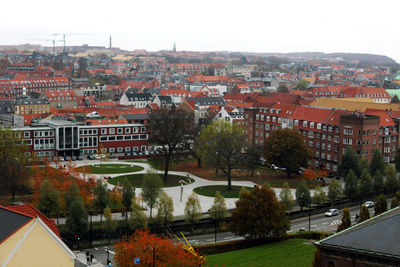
{"x": 134, "y": 96}
{"x": 32, "y": 101}
{"x": 378, "y": 235}
{"x": 130, "y": 117}
{"x": 165, "y": 99}
{"x": 208, "y": 101}
{"x": 6, "y": 107}
{"x": 10, "y": 221}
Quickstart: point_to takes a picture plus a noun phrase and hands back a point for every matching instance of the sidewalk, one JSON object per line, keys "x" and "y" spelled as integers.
{"x": 175, "y": 192}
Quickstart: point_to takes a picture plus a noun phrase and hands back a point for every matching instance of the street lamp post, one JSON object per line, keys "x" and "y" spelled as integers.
{"x": 215, "y": 224}
{"x": 309, "y": 216}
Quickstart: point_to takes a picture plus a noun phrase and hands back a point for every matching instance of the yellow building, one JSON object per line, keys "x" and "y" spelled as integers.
{"x": 32, "y": 106}
{"x": 27, "y": 241}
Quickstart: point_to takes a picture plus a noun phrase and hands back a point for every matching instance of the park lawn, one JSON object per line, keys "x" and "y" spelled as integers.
{"x": 291, "y": 252}
{"x": 209, "y": 190}
{"x": 136, "y": 180}
{"x": 110, "y": 168}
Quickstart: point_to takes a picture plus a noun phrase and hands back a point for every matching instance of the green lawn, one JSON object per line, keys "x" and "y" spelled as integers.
{"x": 136, "y": 180}
{"x": 210, "y": 190}
{"x": 292, "y": 252}
{"x": 111, "y": 168}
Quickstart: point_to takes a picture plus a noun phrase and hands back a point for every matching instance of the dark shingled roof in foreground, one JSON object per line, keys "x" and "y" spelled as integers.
{"x": 378, "y": 235}
{"x": 10, "y": 222}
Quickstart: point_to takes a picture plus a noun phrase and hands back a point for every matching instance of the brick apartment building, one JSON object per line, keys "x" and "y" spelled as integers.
{"x": 327, "y": 132}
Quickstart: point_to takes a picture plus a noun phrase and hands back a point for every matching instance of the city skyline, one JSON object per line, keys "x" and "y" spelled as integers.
{"x": 287, "y": 26}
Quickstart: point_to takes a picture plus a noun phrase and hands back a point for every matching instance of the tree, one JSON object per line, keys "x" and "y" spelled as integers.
{"x": 102, "y": 197}
{"x": 395, "y": 99}
{"x": 346, "y": 220}
{"x": 319, "y": 196}
{"x": 192, "y": 209}
{"x": 364, "y": 214}
{"x": 286, "y": 148}
{"x": 77, "y": 221}
{"x": 138, "y": 218}
{"x": 334, "y": 190}
{"x": 154, "y": 251}
{"x": 377, "y": 162}
{"x": 286, "y": 197}
{"x": 303, "y": 196}
{"x": 394, "y": 203}
{"x": 378, "y": 183}
{"x": 391, "y": 182}
{"x": 397, "y": 159}
{"x": 165, "y": 209}
{"x": 351, "y": 188}
{"x": 366, "y": 184}
{"x": 13, "y": 173}
{"x": 49, "y": 199}
{"x": 151, "y": 190}
{"x": 364, "y": 163}
{"x": 168, "y": 128}
{"x": 218, "y": 209}
{"x": 72, "y": 194}
{"x": 380, "y": 205}
{"x": 127, "y": 195}
{"x": 222, "y": 143}
{"x": 349, "y": 161}
{"x": 109, "y": 224}
{"x": 259, "y": 215}
{"x": 252, "y": 157}
{"x": 302, "y": 85}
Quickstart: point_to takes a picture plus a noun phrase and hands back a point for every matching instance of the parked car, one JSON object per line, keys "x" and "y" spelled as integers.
{"x": 369, "y": 204}
{"x": 79, "y": 158}
{"x": 73, "y": 158}
{"x": 67, "y": 158}
{"x": 331, "y": 212}
{"x": 91, "y": 157}
{"x": 60, "y": 159}
{"x": 99, "y": 156}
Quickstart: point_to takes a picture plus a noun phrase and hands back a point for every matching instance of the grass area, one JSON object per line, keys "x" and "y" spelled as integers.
{"x": 110, "y": 168}
{"x": 292, "y": 252}
{"x": 210, "y": 190}
{"x": 136, "y": 180}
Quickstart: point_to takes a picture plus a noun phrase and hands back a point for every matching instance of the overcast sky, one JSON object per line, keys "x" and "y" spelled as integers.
{"x": 210, "y": 25}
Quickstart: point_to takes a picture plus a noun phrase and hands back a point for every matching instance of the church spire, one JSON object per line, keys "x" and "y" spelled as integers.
{"x": 174, "y": 49}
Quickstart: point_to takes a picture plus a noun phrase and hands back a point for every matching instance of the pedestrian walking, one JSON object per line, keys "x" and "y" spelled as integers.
{"x": 91, "y": 258}
{"x": 87, "y": 258}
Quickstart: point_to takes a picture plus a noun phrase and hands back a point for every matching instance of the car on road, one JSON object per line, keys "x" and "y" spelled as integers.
{"x": 369, "y": 204}
{"x": 91, "y": 157}
{"x": 332, "y": 212}
{"x": 79, "y": 158}
{"x": 73, "y": 158}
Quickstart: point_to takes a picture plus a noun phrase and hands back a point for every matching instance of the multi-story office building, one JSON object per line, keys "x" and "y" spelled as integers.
{"x": 65, "y": 138}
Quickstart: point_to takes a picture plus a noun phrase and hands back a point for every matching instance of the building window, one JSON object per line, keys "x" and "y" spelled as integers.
{"x": 128, "y": 130}
{"x": 348, "y": 131}
{"x": 120, "y": 149}
{"x": 103, "y": 130}
{"x": 111, "y": 131}
{"x": 347, "y": 141}
{"x": 27, "y": 134}
{"x": 119, "y": 130}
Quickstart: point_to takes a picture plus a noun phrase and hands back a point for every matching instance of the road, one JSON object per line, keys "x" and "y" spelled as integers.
{"x": 318, "y": 222}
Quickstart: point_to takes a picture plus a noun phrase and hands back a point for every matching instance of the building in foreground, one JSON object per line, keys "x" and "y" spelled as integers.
{"x": 374, "y": 242}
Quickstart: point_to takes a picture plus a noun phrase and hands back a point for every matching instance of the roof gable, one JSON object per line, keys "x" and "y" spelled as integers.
{"x": 10, "y": 222}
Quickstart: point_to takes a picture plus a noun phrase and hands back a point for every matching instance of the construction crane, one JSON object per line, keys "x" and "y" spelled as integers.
{"x": 65, "y": 35}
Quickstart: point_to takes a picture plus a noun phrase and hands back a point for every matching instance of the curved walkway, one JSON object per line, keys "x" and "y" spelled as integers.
{"x": 175, "y": 192}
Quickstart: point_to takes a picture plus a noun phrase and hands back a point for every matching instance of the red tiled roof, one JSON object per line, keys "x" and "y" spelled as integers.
{"x": 384, "y": 117}
{"x": 30, "y": 210}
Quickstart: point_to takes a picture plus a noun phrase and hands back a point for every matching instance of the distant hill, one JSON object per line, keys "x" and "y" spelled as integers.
{"x": 350, "y": 57}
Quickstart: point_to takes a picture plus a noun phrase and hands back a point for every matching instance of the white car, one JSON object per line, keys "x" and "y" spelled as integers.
{"x": 369, "y": 204}
{"x": 331, "y": 212}
{"x": 99, "y": 156}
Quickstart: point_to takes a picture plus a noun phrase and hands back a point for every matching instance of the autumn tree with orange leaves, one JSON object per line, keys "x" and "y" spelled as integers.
{"x": 147, "y": 247}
